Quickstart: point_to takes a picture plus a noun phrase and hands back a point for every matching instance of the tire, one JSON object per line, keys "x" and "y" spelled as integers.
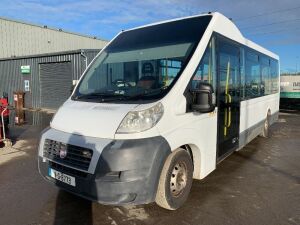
{"x": 175, "y": 180}
{"x": 265, "y": 132}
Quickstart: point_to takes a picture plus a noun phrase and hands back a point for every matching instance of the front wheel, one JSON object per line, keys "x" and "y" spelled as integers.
{"x": 175, "y": 180}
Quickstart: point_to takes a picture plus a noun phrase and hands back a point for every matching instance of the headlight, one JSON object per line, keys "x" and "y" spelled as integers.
{"x": 137, "y": 121}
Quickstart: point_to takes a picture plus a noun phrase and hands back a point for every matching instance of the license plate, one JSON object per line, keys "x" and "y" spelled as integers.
{"x": 62, "y": 177}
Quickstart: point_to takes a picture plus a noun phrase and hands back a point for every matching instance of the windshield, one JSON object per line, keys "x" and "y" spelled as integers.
{"x": 142, "y": 64}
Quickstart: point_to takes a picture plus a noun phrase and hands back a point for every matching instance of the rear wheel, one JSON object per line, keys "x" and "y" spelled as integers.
{"x": 175, "y": 180}
{"x": 265, "y": 132}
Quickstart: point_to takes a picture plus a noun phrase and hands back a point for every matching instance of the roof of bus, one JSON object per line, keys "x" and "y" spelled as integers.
{"x": 224, "y": 26}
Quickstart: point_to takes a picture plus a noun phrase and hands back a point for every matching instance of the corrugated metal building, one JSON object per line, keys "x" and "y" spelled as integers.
{"x": 22, "y": 39}
{"x": 46, "y": 79}
{"x": 42, "y": 61}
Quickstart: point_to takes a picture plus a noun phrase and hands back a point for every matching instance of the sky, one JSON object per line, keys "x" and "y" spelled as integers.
{"x": 274, "y": 24}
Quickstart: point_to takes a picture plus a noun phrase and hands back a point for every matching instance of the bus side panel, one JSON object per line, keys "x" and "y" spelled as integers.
{"x": 199, "y": 131}
{"x": 253, "y": 113}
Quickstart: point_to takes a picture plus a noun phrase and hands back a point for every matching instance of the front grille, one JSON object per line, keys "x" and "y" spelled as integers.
{"x": 67, "y": 170}
{"x": 77, "y": 157}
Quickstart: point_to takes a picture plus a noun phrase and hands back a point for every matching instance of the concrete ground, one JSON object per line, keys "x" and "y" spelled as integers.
{"x": 258, "y": 185}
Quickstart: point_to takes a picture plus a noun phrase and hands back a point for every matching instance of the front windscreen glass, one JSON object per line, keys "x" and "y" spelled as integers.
{"x": 142, "y": 64}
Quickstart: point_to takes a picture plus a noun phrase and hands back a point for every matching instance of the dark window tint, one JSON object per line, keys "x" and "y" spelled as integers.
{"x": 142, "y": 64}
{"x": 180, "y": 31}
{"x": 252, "y": 73}
{"x": 206, "y": 70}
{"x": 242, "y": 71}
{"x": 229, "y": 71}
{"x": 266, "y": 76}
{"x": 274, "y": 76}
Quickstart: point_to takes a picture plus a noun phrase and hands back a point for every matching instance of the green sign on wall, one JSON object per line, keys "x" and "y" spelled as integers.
{"x": 25, "y": 69}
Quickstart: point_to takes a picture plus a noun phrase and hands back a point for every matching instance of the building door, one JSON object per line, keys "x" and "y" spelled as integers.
{"x": 27, "y": 88}
{"x": 228, "y": 97}
{"x": 56, "y": 82}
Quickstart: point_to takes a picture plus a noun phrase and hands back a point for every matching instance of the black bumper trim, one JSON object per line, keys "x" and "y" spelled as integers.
{"x": 128, "y": 171}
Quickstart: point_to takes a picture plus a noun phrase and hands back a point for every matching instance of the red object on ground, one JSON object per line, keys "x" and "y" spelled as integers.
{"x": 3, "y": 105}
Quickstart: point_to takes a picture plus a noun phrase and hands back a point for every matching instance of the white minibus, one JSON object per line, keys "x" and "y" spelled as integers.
{"x": 159, "y": 106}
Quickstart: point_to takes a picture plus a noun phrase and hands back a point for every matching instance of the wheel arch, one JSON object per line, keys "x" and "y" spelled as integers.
{"x": 195, "y": 154}
{"x": 203, "y": 152}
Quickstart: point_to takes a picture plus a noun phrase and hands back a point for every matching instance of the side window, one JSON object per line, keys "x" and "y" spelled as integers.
{"x": 242, "y": 72}
{"x": 253, "y": 78}
{"x": 274, "y": 76}
{"x": 229, "y": 71}
{"x": 265, "y": 76}
{"x": 206, "y": 70}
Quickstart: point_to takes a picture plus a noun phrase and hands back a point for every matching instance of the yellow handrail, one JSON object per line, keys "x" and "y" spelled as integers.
{"x": 227, "y": 115}
{"x": 209, "y": 64}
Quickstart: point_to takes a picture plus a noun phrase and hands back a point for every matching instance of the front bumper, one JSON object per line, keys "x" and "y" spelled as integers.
{"x": 127, "y": 171}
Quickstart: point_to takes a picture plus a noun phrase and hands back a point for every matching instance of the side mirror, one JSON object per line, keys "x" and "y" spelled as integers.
{"x": 204, "y": 99}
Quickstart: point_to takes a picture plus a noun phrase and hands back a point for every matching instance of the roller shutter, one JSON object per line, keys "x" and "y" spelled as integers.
{"x": 56, "y": 81}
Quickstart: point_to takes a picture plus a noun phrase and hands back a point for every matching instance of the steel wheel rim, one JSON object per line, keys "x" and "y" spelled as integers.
{"x": 266, "y": 124}
{"x": 178, "y": 179}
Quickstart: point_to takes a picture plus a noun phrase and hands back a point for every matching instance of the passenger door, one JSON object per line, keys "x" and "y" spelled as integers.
{"x": 228, "y": 97}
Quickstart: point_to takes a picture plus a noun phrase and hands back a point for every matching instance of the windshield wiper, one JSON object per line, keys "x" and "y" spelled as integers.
{"x": 145, "y": 93}
{"x": 106, "y": 96}
{"x": 101, "y": 95}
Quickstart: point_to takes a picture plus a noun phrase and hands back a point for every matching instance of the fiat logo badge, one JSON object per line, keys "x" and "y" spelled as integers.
{"x": 63, "y": 153}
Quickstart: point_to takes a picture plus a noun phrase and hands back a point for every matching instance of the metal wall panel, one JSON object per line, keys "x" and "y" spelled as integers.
{"x": 11, "y": 78}
{"x": 22, "y": 39}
